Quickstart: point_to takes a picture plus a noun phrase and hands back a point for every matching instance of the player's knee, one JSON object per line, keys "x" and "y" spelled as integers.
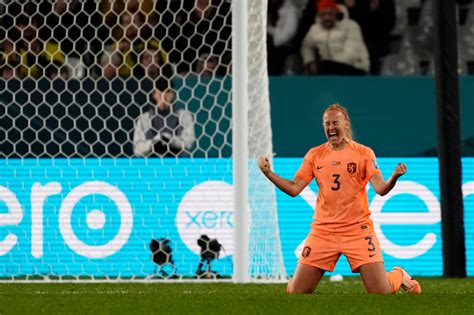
{"x": 292, "y": 289}
{"x": 380, "y": 290}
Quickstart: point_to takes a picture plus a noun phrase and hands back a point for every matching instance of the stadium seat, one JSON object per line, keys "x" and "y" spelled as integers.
{"x": 401, "y": 9}
{"x": 293, "y": 65}
{"x": 404, "y": 62}
{"x": 426, "y": 15}
{"x": 466, "y": 31}
{"x": 401, "y": 64}
{"x": 421, "y": 40}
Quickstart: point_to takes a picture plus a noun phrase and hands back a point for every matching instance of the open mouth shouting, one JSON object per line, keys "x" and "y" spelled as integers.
{"x": 333, "y": 135}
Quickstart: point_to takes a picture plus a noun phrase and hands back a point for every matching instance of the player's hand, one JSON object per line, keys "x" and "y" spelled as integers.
{"x": 166, "y": 136}
{"x": 157, "y": 138}
{"x": 264, "y": 164}
{"x": 399, "y": 170}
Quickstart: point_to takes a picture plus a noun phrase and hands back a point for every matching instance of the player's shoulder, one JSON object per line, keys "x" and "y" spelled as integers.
{"x": 360, "y": 148}
{"x": 317, "y": 150}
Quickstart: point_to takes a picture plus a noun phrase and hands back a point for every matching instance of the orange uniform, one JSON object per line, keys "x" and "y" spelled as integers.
{"x": 342, "y": 223}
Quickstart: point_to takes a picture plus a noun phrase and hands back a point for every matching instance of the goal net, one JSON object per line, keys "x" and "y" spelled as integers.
{"x": 116, "y": 141}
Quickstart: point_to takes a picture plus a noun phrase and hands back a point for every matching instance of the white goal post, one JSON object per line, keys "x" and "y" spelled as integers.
{"x": 240, "y": 148}
{"x": 253, "y": 194}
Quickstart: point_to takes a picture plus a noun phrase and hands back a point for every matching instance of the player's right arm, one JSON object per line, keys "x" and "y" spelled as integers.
{"x": 290, "y": 187}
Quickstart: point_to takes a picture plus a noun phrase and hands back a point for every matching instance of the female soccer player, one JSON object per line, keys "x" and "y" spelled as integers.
{"x": 342, "y": 223}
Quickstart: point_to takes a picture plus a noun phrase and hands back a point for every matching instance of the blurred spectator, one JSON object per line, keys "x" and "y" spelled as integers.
{"x": 150, "y": 65}
{"x": 163, "y": 130}
{"x": 210, "y": 65}
{"x": 133, "y": 41}
{"x": 207, "y": 65}
{"x": 376, "y": 19}
{"x": 281, "y": 28}
{"x": 333, "y": 46}
{"x": 195, "y": 28}
{"x": 110, "y": 62}
{"x": 14, "y": 9}
{"x": 57, "y": 71}
{"x": 15, "y": 14}
{"x": 112, "y": 10}
{"x": 132, "y": 6}
{"x": 358, "y": 10}
{"x": 37, "y": 57}
{"x": 9, "y": 59}
{"x": 7, "y": 71}
{"x": 307, "y": 18}
{"x": 74, "y": 24}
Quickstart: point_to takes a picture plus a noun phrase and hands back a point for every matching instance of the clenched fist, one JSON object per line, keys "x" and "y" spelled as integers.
{"x": 400, "y": 170}
{"x": 264, "y": 164}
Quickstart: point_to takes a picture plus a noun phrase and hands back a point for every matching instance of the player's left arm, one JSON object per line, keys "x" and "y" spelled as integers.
{"x": 384, "y": 187}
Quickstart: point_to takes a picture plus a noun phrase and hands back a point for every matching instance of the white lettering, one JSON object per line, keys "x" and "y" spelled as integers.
{"x": 123, "y": 206}
{"x": 95, "y": 220}
{"x": 468, "y": 189}
{"x": 12, "y": 217}
{"x": 309, "y": 196}
{"x": 433, "y": 216}
{"x": 38, "y": 196}
{"x": 207, "y": 209}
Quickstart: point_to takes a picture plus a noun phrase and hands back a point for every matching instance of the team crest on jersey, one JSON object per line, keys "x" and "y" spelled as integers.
{"x": 306, "y": 251}
{"x": 351, "y": 168}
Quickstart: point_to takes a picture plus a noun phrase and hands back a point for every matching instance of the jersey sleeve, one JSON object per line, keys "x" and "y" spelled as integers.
{"x": 371, "y": 166}
{"x": 305, "y": 171}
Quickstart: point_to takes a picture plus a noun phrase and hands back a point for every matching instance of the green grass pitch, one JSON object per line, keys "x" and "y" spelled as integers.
{"x": 440, "y": 296}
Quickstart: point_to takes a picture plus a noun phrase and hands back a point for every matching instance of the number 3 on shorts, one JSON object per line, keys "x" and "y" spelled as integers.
{"x": 371, "y": 247}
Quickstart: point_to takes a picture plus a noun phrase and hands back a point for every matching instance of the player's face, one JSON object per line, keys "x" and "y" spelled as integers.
{"x": 335, "y": 126}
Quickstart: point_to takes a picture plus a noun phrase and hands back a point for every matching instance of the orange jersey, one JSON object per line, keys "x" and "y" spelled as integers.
{"x": 342, "y": 177}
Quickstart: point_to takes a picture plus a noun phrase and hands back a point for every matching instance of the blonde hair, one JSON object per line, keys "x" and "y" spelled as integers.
{"x": 343, "y": 110}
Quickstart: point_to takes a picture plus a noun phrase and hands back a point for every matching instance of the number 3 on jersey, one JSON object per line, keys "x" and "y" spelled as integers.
{"x": 337, "y": 183}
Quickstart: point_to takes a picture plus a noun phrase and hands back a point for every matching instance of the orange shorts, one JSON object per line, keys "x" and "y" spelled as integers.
{"x": 322, "y": 249}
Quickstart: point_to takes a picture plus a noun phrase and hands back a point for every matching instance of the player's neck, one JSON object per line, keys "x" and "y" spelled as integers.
{"x": 339, "y": 146}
